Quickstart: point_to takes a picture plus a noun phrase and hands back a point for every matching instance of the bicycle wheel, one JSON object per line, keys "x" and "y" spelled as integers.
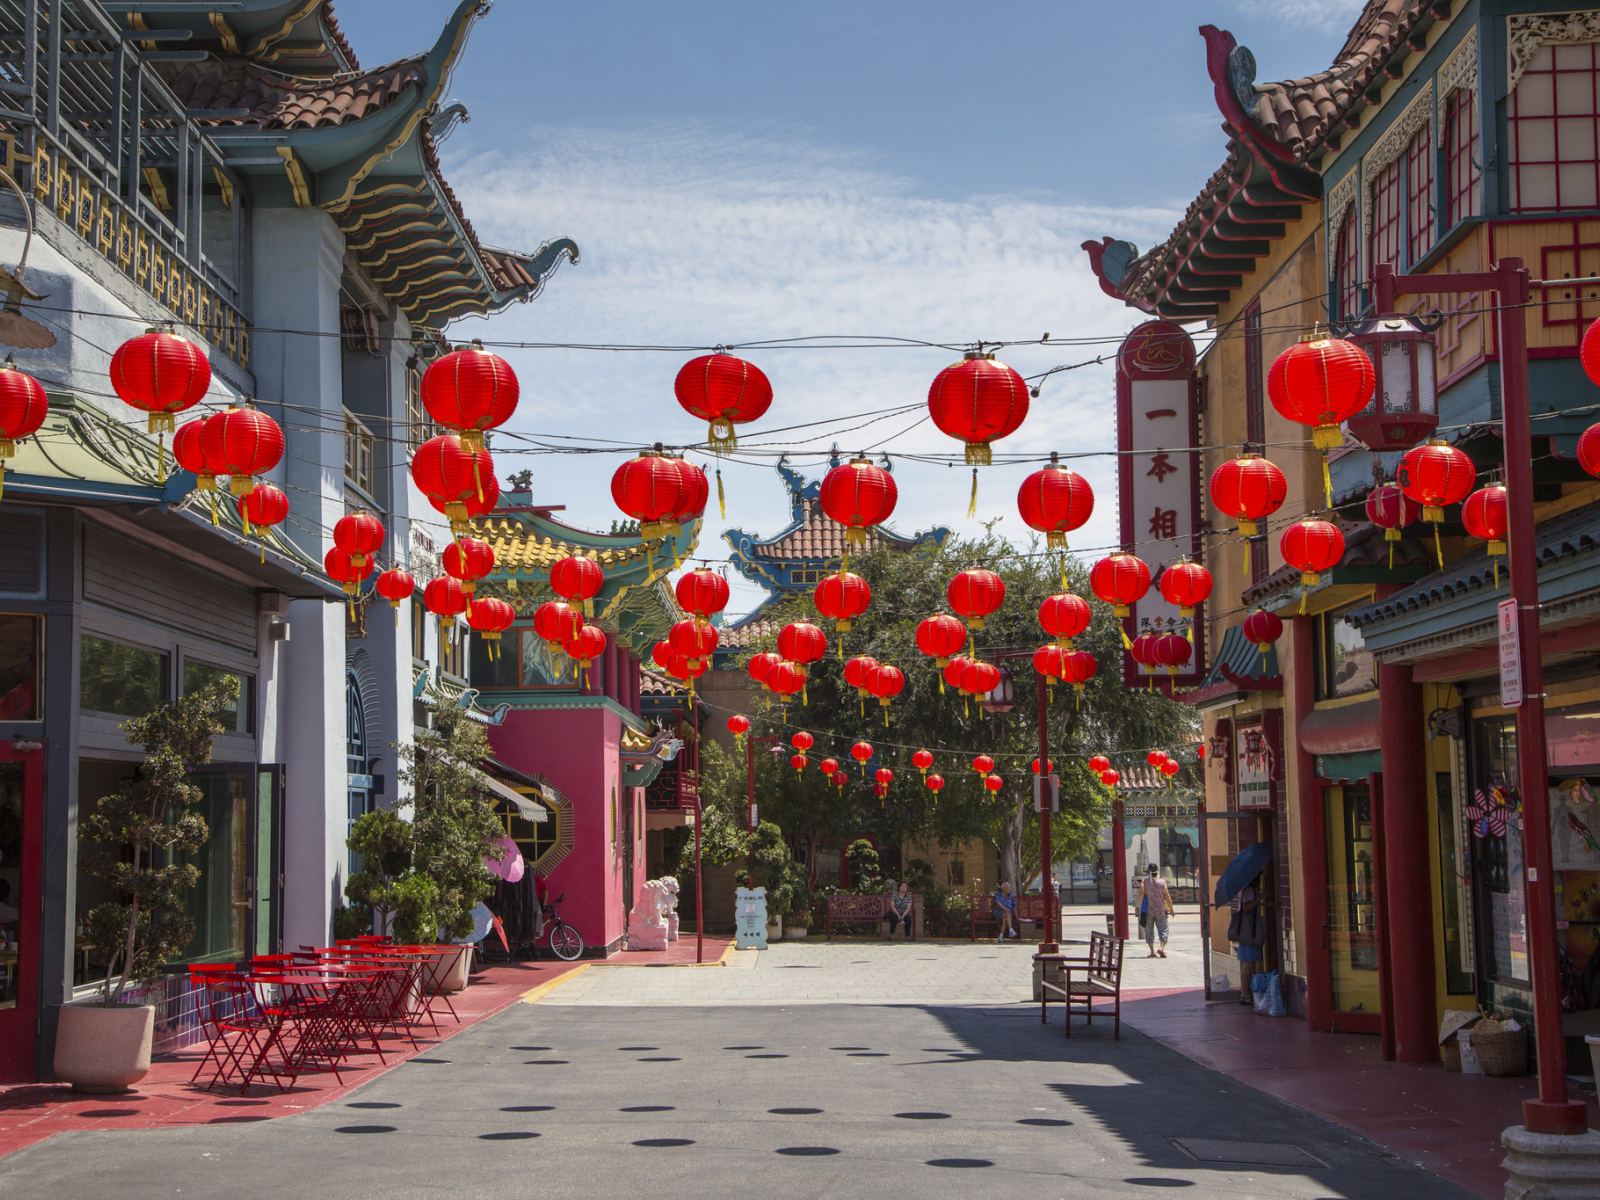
{"x": 566, "y": 943}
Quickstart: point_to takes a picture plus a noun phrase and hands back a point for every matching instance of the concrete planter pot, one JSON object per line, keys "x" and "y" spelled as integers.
{"x": 447, "y": 973}
{"x": 103, "y": 1048}
{"x": 775, "y": 929}
{"x": 795, "y": 933}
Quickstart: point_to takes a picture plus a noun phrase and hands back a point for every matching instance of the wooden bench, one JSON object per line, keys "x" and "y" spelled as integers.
{"x": 872, "y": 910}
{"x": 981, "y": 911}
{"x": 1077, "y": 982}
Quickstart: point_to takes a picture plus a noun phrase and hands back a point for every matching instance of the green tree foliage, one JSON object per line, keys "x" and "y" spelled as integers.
{"x": 426, "y": 874}
{"x": 140, "y": 835}
{"x": 908, "y": 586}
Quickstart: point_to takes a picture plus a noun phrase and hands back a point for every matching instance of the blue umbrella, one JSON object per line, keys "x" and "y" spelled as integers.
{"x": 1242, "y": 871}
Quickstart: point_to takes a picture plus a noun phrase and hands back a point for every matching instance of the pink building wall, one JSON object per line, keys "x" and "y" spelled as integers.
{"x": 577, "y": 751}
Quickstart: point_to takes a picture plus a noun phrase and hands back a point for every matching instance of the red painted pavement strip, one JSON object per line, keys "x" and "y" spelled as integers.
{"x": 1449, "y": 1124}
{"x": 33, "y": 1112}
{"x": 677, "y": 954}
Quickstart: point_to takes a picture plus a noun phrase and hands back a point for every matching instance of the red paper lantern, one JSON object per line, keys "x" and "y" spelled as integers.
{"x": 1079, "y": 666}
{"x": 261, "y": 508}
{"x": 1185, "y": 584}
{"x": 577, "y": 580}
{"x": 858, "y": 495}
{"x": 188, "y": 451}
{"x": 444, "y": 597}
{"x": 358, "y": 534}
{"x": 738, "y": 725}
{"x": 1172, "y": 651}
{"x": 883, "y": 776}
{"x": 703, "y": 593}
{"x": 798, "y": 762}
{"x": 652, "y": 490}
{"x": 802, "y": 642}
{"x": 787, "y": 679}
{"x": 241, "y": 443}
{"x": 696, "y": 642}
{"x": 941, "y": 637}
{"x": 1055, "y": 500}
{"x": 475, "y": 505}
{"x": 993, "y": 782}
{"x": 1121, "y": 580}
{"x": 1142, "y": 650}
{"x": 802, "y": 741}
{"x": 1436, "y": 475}
{"x": 841, "y": 598}
{"x": 468, "y": 391}
{"x": 1321, "y": 382}
{"x": 1110, "y": 778}
{"x": 588, "y": 644}
{"x": 1589, "y": 448}
{"x": 1485, "y": 515}
{"x": 983, "y": 764}
{"x": 1390, "y": 509}
{"x": 839, "y": 779}
{"x": 1312, "y": 546}
{"x": 696, "y": 491}
{"x": 886, "y": 681}
{"x": 922, "y": 760}
{"x": 1064, "y": 616}
{"x": 861, "y": 751}
{"x": 468, "y": 559}
{"x": 978, "y": 401}
{"x": 980, "y": 678}
{"x": 394, "y": 585}
{"x": 23, "y": 408}
{"x": 955, "y": 672}
{"x": 1047, "y": 661}
{"x": 724, "y": 390}
{"x": 1049, "y": 767}
{"x": 1589, "y": 352}
{"x": 1262, "y": 628}
{"x": 1248, "y": 489}
{"x": 857, "y": 670}
{"x": 828, "y": 766}
{"x": 935, "y": 783}
{"x": 760, "y": 666}
{"x": 1099, "y": 763}
{"x": 489, "y": 617}
{"x": 976, "y": 593}
{"x": 1170, "y": 768}
{"x": 557, "y": 622}
{"x": 451, "y": 476}
{"x": 161, "y": 374}
{"x": 343, "y": 569}
{"x": 1156, "y": 757}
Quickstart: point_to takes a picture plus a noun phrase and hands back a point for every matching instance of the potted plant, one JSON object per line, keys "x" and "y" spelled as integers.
{"x": 797, "y": 920}
{"x": 139, "y": 838}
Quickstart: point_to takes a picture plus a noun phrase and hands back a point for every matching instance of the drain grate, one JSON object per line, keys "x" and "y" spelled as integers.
{"x": 1261, "y": 1154}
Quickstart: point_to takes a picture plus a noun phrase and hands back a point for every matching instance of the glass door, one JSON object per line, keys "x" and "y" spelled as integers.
{"x": 1352, "y": 929}
{"x": 21, "y": 850}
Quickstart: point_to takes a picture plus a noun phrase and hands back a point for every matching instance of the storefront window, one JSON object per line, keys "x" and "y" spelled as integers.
{"x": 114, "y": 677}
{"x": 1344, "y": 665}
{"x": 21, "y": 667}
{"x": 494, "y": 664}
{"x": 220, "y": 903}
{"x": 237, "y": 715}
{"x": 1458, "y": 979}
{"x": 1495, "y": 826}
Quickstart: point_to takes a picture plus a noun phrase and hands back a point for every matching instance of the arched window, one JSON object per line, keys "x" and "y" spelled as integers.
{"x": 1463, "y": 171}
{"x": 1384, "y": 195}
{"x": 1347, "y": 266}
{"x": 357, "y": 766}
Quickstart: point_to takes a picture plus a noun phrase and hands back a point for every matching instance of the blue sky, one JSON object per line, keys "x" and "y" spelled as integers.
{"x": 735, "y": 171}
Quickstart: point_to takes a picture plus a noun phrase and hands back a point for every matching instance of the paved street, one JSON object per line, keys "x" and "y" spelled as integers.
{"x": 932, "y": 1081}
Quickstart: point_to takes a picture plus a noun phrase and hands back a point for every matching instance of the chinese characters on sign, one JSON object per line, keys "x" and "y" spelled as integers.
{"x": 1158, "y": 472}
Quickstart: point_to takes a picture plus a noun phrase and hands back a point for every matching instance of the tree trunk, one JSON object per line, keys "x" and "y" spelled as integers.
{"x": 1011, "y": 850}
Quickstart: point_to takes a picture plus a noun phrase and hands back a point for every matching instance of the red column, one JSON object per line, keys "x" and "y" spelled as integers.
{"x": 1119, "y": 868}
{"x": 1406, "y": 922}
{"x": 1313, "y": 830}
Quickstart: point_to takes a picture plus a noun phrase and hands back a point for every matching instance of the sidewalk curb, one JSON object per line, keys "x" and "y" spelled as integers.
{"x": 534, "y": 994}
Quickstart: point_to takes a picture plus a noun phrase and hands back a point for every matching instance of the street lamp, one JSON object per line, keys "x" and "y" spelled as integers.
{"x": 1404, "y": 407}
{"x": 1003, "y": 697}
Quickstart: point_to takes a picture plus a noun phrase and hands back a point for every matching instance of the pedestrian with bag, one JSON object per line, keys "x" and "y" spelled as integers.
{"x": 1155, "y": 907}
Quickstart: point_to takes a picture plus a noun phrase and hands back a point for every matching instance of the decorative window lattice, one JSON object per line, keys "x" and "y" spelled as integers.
{"x": 1463, "y": 172}
{"x": 1551, "y": 123}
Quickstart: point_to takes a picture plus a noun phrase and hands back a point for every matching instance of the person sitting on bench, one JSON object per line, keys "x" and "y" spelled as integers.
{"x": 899, "y": 909}
{"x": 1005, "y": 912}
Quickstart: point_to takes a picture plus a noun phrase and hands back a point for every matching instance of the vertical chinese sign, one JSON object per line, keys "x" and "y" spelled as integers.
{"x": 1158, "y": 476}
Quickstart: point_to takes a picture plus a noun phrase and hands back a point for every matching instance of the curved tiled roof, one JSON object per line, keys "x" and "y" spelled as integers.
{"x": 274, "y": 100}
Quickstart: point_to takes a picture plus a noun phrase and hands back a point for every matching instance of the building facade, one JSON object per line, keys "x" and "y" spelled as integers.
{"x": 239, "y": 176}
{"x": 1369, "y": 744}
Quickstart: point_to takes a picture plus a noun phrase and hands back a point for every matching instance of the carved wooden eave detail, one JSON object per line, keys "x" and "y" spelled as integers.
{"x": 1340, "y": 197}
{"x": 1417, "y": 115}
{"x": 1460, "y": 70}
{"x": 1528, "y": 33}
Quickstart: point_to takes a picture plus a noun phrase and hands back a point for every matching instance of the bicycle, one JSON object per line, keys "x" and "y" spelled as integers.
{"x": 564, "y": 941}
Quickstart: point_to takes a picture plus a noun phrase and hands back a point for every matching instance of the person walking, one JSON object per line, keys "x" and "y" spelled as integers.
{"x": 900, "y": 907}
{"x": 1005, "y": 911}
{"x": 1154, "y": 909}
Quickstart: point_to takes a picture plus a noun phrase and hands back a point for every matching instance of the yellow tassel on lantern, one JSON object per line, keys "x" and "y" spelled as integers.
{"x": 972, "y": 501}
{"x": 722, "y": 499}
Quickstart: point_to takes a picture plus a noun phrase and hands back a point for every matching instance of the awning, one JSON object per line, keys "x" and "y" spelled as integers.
{"x": 1238, "y": 667}
{"x": 526, "y": 805}
{"x": 1342, "y": 728}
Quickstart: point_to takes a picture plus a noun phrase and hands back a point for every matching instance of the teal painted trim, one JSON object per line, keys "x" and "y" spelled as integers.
{"x": 1349, "y": 768}
{"x": 565, "y": 702}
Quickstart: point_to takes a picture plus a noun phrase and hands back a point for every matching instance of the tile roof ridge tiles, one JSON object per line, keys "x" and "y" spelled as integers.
{"x": 275, "y": 100}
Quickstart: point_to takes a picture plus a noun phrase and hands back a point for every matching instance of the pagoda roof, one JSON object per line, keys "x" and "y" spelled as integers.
{"x": 636, "y": 600}
{"x": 1277, "y": 135}
{"x": 302, "y": 36}
{"x": 362, "y": 146}
{"x": 812, "y": 538}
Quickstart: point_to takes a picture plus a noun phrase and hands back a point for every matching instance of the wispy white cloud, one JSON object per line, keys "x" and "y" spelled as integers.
{"x": 694, "y": 234}
{"x": 1322, "y": 16}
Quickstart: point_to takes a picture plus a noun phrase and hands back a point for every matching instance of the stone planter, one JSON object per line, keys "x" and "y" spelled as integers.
{"x": 447, "y": 973}
{"x": 774, "y": 929}
{"x": 794, "y": 933}
{"x": 104, "y": 1049}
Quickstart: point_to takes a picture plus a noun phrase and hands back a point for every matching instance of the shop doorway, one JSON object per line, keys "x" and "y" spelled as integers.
{"x": 1351, "y": 930}
{"x": 21, "y": 857}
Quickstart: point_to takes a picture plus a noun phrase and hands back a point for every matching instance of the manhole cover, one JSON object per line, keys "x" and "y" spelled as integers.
{"x": 1264, "y": 1154}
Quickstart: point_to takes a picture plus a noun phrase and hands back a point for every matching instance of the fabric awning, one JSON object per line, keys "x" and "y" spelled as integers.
{"x": 526, "y": 805}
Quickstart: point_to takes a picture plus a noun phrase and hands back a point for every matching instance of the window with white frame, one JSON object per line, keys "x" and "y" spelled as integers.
{"x": 359, "y": 454}
{"x": 1463, "y": 170}
{"x": 1383, "y": 237}
{"x": 1346, "y": 265}
{"x": 1419, "y": 194}
{"x": 1551, "y": 123}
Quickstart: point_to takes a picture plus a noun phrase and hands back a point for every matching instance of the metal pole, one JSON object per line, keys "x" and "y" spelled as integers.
{"x": 699, "y": 890}
{"x": 1119, "y": 870}
{"x": 1052, "y": 909}
{"x": 750, "y": 780}
{"x": 1552, "y": 1112}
